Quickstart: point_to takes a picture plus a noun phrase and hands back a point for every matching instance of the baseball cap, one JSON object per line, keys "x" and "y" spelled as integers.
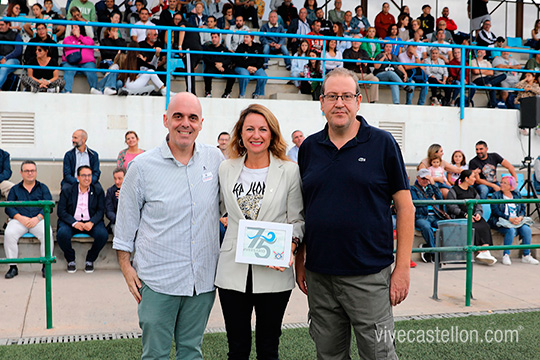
{"x": 422, "y": 173}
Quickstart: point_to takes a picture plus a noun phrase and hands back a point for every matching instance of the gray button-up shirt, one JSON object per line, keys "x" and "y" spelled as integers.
{"x": 81, "y": 158}
{"x": 169, "y": 214}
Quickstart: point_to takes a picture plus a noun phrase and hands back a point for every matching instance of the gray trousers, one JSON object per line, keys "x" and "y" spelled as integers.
{"x": 338, "y": 302}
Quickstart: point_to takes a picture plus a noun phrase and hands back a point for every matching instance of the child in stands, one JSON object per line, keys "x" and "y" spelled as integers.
{"x": 437, "y": 173}
{"x": 458, "y": 159}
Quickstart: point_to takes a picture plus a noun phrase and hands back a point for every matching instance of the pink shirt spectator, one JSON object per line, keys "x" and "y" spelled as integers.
{"x": 81, "y": 212}
{"x": 86, "y": 54}
{"x": 436, "y": 171}
{"x": 128, "y": 158}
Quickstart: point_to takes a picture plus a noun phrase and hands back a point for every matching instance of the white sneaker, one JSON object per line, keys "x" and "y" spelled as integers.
{"x": 109, "y": 91}
{"x": 529, "y": 260}
{"x": 95, "y": 91}
{"x": 484, "y": 257}
{"x": 506, "y": 260}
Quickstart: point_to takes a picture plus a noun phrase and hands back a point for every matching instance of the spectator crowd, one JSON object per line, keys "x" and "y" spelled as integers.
{"x": 420, "y": 64}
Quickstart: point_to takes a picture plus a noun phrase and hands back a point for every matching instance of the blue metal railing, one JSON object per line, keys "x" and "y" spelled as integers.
{"x": 462, "y": 86}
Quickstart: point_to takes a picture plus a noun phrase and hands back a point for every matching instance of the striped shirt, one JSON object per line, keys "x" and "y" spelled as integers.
{"x": 168, "y": 213}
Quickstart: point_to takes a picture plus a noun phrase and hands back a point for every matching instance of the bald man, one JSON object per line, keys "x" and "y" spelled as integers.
{"x": 78, "y": 156}
{"x": 168, "y": 213}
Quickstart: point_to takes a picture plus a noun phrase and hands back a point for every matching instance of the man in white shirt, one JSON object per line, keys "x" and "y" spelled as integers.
{"x": 139, "y": 35}
{"x": 297, "y": 139}
{"x": 512, "y": 78}
{"x": 415, "y": 73}
{"x": 445, "y": 53}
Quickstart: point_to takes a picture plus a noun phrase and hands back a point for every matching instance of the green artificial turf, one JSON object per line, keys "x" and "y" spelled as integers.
{"x": 296, "y": 343}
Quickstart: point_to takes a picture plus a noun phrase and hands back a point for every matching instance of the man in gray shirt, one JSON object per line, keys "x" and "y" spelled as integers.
{"x": 168, "y": 213}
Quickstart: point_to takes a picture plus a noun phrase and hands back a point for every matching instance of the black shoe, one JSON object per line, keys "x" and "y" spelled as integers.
{"x": 43, "y": 271}
{"x": 226, "y": 95}
{"x": 12, "y": 272}
{"x": 123, "y": 92}
{"x": 89, "y": 267}
{"x": 71, "y": 267}
{"x": 408, "y": 89}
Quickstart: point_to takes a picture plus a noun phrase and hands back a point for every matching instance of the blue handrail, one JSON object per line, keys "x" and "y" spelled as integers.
{"x": 170, "y": 52}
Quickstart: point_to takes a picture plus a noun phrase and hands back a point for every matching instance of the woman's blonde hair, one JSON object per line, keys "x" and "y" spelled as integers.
{"x": 278, "y": 146}
{"x": 432, "y": 151}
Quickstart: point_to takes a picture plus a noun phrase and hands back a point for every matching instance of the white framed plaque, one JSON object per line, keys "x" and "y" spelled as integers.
{"x": 264, "y": 243}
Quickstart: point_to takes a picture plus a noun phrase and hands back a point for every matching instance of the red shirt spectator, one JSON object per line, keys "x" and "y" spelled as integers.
{"x": 316, "y": 44}
{"x": 383, "y": 20}
{"x": 450, "y": 24}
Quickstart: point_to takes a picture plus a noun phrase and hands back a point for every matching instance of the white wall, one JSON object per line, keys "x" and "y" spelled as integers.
{"x": 58, "y": 115}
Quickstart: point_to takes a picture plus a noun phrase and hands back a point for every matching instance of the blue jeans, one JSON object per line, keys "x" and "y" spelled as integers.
{"x": 421, "y": 98}
{"x": 242, "y": 82}
{"x": 490, "y": 80}
{"x": 510, "y": 233}
{"x": 91, "y": 76}
{"x": 110, "y": 82}
{"x": 283, "y": 49}
{"x": 393, "y": 77}
{"x": 425, "y": 226}
{"x": 484, "y": 190}
{"x": 5, "y": 71}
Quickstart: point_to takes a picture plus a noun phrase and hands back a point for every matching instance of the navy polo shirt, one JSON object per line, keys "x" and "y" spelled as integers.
{"x": 347, "y": 198}
{"x": 19, "y": 193}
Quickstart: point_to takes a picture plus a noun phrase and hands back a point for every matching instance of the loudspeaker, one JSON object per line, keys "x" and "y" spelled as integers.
{"x": 529, "y": 112}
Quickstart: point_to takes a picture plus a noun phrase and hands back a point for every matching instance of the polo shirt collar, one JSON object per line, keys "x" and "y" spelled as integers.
{"x": 363, "y": 135}
{"x": 167, "y": 153}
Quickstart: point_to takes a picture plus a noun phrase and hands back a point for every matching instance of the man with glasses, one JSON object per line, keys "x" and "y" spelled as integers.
{"x": 26, "y": 219}
{"x": 9, "y": 54}
{"x": 80, "y": 211}
{"x": 349, "y": 248}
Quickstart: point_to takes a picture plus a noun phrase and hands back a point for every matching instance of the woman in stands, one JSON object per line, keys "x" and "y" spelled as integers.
{"x": 76, "y": 60}
{"x": 510, "y": 220}
{"x": 338, "y": 30}
{"x": 373, "y": 49}
{"x": 458, "y": 159}
{"x": 463, "y": 190}
{"x": 300, "y": 60}
{"x": 436, "y": 150}
{"x": 332, "y": 56}
{"x": 110, "y": 38}
{"x": 41, "y": 37}
{"x": 393, "y": 36}
{"x": 312, "y": 70}
{"x": 14, "y": 10}
{"x": 227, "y": 20}
{"x": 42, "y": 79}
{"x": 530, "y": 84}
{"x": 125, "y": 156}
{"x": 138, "y": 83}
{"x": 436, "y": 75}
{"x": 311, "y": 7}
{"x": 257, "y": 161}
{"x": 535, "y": 35}
{"x": 403, "y": 27}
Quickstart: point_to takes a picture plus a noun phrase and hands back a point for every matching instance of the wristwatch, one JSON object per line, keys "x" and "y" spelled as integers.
{"x": 296, "y": 241}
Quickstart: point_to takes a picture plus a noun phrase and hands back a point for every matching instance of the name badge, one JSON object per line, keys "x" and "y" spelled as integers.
{"x": 207, "y": 176}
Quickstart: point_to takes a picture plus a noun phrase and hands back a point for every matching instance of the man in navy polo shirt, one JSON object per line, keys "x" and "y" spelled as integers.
{"x": 351, "y": 172}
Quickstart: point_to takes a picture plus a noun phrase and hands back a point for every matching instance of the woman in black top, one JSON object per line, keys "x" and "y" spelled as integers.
{"x": 43, "y": 78}
{"x": 41, "y": 37}
{"x": 482, "y": 233}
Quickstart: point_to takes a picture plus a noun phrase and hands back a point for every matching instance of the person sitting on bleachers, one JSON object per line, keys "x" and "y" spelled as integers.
{"x": 485, "y": 77}
{"x": 359, "y": 21}
{"x": 287, "y": 11}
{"x": 393, "y": 36}
{"x": 311, "y": 7}
{"x": 454, "y": 78}
{"x": 24, "y": 220}
{"x": 42, "y": 79}
{"x": 159, "y": 58}
{"x": 104, "y": 12}
{"x": 316, "y": 44}
{"x": 312, "y": 70}
{"x": 78, "y": 156}
{"x": 13, "y": 11}
{"x": 530, "y": 84}
{"x": 361, "y": 69}
{"x": 44, "y": 38}
{"x": 198, "y": 19}
{"x": 426, "y": 217}
{"x": 348, "y": 28}
{"x": 131, "y": 152}
{"x": 464, "y": 190}
{"x": 233, "y": 40}
{"x": 86, "y": 8}
{"x": 427, "y": 21}
{"x": 30, "y": 28}
{"x": 437, "y": 174}
{"x": 300, "y": 60}
{"x": 403, "y": 27}
{"x": 274, "y": 44}
{"x": 76, "y": 16}
{"x": 248, "y": 11}
{"x": 80, "y": 211}
{"x": 504, "y": 61}
{"x": 336, "y": 14}
{"x": 9, "y": 54}
{"x": 447, "y": 34}
{"x": 157, "y": 7}
{"x": 383, "y": 20}
{"x": 450, "y": 24}
{"x": 421, "y": 51}
{"x": 166, "y": 16}
{"x": 227, "y": 21}
{"x": 111, "y": 198}
{"x": 206, "y": 37}
{"x": 216, "y": 61}
{"x": 110, "y": 38}
{"x": 510, "y": 220}
{"x": 5, "y": 174}
{"x": 459, "y": 160}
{"x": 215, "y": 9}
{"x": 109, "y": 84}
{"x": 298, "y": 26}
{"x": 139, "y": 35}
{"x": 486, "y": 163}
{"x": 371, "y": 48}
{"x": 485, "y": 37}
{"x": 415, "y": 73}
{"x": 79, "y": 59}
{"x": 390, "y": 71}
{"x": 49, "y": 11}
{"x": 436, "y": 75}
{"x": 332, "y": 56}
{"x": 326, "y": 25}
{"x": 339, "y": 31}
{"x": 133, "y": 15}
{"x": 247, "y": 65}
{"x": 445, "y": 53}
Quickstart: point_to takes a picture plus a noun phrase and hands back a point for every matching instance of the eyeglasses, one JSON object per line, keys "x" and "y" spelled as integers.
{"x": 29, "y": 171}
{"x": 85, "y": 175}
{"x": 347, "y": 97}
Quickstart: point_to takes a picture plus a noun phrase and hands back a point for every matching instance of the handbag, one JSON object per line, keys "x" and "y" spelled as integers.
{"x": 441, "y": 214}
{"x": 74, "y": 58}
